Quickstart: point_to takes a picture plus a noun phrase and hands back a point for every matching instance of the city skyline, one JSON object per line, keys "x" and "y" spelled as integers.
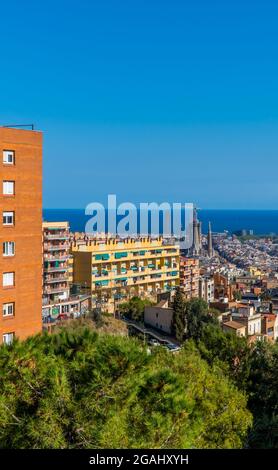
{"x": 138, "y": 231}
{"x": 155, "y": 102}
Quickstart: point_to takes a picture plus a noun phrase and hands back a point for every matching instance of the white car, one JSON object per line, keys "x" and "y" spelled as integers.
{"x": 154, "y": 342}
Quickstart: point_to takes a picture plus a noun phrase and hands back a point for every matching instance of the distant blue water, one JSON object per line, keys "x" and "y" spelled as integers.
{"x": 261, "y": 221}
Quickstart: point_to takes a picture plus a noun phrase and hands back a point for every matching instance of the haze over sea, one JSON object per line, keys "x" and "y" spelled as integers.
{"x": 261, "y": 221}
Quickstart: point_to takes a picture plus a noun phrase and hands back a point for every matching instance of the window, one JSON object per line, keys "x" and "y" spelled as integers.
{"x": 8, "y": 338}
{"x": 8, "y": 218}
{"x": 102, "y": 257}
{"x": 8, "y": 187}
{"x": 8, "y": 309}
{"x": 8, "y": 157}
{"x": 8, "y": 248}
{"x": 8, "y": 279}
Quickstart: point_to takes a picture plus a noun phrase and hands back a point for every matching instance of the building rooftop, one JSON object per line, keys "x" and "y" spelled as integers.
{"x": 233, "y": 324}
{"x": 61, "y": 224}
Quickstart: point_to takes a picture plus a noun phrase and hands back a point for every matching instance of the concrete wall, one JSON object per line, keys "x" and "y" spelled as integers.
{"x": 159, "y": 318}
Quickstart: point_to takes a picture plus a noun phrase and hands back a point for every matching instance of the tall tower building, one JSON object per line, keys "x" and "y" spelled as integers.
{"x": 197, "y": 237}
{"x": 20, "y": 233}
{"x": 210, "y": 249}
{"x": 200, "y": 235}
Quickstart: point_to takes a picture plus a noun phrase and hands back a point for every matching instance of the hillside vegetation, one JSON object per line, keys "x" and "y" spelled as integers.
{"x": 81, "y": 389}
{"x": 89, "y": 385}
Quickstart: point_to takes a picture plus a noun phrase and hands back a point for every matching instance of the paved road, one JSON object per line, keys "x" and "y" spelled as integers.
{"x": 151, "y": 332}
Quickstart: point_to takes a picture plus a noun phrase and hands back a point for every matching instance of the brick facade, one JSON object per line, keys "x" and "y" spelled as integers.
{"x": 25, "y": 232}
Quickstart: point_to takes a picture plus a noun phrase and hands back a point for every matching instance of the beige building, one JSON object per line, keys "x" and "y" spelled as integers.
{"x": 270, "y": 326}
{"x": 246, "y": 315}
{"x": 159, "y": 316}
{"x": 234, "y": 327}
{"x": 253, "y": 323}
{"x": 206, "y": 288}
{"x": 246, "y": 310}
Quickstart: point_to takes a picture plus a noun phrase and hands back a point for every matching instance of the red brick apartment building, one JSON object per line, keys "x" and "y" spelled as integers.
{"x": 20, "y": 233}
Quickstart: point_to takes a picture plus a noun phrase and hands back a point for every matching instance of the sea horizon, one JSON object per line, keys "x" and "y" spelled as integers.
{"x": 261, "y": 221}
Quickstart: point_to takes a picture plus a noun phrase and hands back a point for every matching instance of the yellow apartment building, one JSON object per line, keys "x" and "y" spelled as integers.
{"x": 116, "y": 270}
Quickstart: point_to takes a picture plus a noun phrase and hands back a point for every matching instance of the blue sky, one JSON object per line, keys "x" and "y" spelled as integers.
{"x": 151, "y": 100}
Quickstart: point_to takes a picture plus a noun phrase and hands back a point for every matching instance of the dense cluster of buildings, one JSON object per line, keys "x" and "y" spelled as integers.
{"x": 49, "y": 274}
{"x": 255, "y": 253}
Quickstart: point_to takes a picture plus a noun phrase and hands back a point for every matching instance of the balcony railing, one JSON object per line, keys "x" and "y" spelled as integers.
{"x": 55, "y": 289}
{"x": 68, "y": 299}
{"x": 55, "y": 257}
{"x": 131, "y": 272}
{"x": 56, "y": 236}
{"x": 54, "y": 269}
{"x": 50, "y": 280}
{"x": 60, "y": 246}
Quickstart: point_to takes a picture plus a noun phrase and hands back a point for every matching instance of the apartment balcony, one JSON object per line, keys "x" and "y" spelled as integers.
{"x": 56, "y": 236}
{"x": 134, "y": 273}
{"x": 56, "y": 269}
{"x": 71, "y": 299}
{"x": 51, "y": 280}
{"x": 54, "y": 257}
{"x": 156, "y": 276}
{"x": 55, "y": 289}
{"x": 117, "y": 257}
{"x": 58, "y": 247}
{"x": 186, "y": 285}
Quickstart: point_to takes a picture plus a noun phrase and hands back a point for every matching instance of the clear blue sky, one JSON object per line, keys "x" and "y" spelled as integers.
{"x": 153, "y": 100}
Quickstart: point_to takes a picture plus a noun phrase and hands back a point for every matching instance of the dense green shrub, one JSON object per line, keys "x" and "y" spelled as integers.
{"x": 80, "y": 389}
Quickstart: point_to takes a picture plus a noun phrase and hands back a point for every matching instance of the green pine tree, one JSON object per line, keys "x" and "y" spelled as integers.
{"x": 179, "y": 320}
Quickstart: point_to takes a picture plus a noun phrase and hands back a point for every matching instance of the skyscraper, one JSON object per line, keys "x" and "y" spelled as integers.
{"x": 20, "y": 233}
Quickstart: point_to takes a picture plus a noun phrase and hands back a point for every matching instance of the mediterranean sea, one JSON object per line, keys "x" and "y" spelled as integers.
{"x": 260, "y": 221}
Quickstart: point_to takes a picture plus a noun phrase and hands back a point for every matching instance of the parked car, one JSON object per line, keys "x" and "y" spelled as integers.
{"x": 172, "y": 347}
{"x": 62, "y": 317}
{"x": 153, "y": 342}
